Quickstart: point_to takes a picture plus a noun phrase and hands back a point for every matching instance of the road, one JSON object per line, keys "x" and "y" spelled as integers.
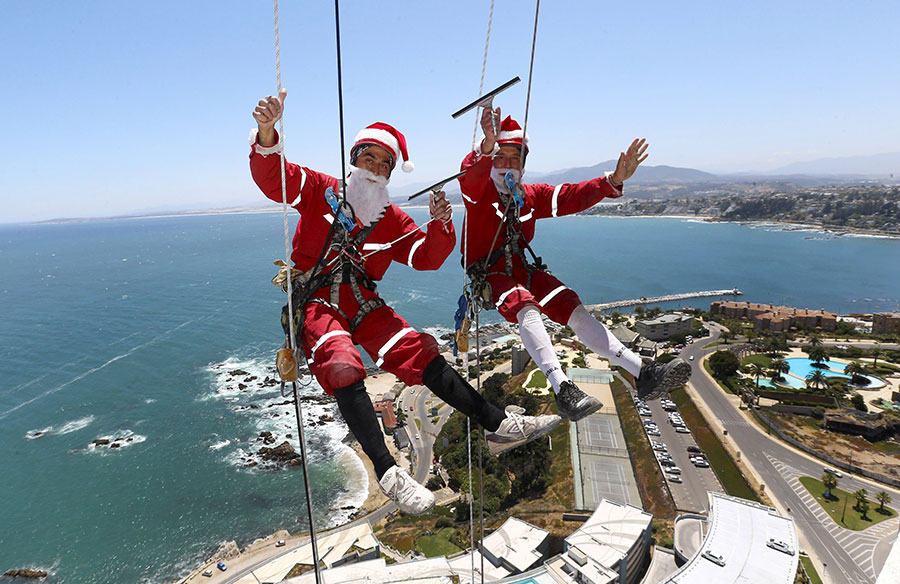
{"x": 849, "y": 557}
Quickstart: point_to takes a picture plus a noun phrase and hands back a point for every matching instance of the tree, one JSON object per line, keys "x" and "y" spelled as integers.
{"x": 862, "y": 502}
{"x": 725, "y": 335}
{"x": 817, "y": 354}
{"x": 855, "y": 370}
{"x": 724, "y": 364}
{"x": 859, "y": 402}
{"x": 815, "y": 340}
{"x": 779, "y": 366}
{"x": 434, "y": 483}
{"x": 757, "y": 371}
{"x": 829, "y": 481}
{"x": 875, "y": 353}
{"x": 817, "y": 379}
{"x": 883, "y": 498}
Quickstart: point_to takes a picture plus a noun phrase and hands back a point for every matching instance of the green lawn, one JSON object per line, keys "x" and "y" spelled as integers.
{"x": 538, "y": 379}
{"x": 720, "y": 461}
{"x": 810, "y": 570}
{"x": 760, "y": 359}
{"x": 834, "y": 506}
{"x": 437, "y": 544}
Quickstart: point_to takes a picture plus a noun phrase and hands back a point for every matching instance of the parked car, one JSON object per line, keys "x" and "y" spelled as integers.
{"x": 834, "y": 472}
{"x": 673, "y": 470}
{"x": 653, "y": 432}
{"x": 674, "y": 478}
{"x": 221, "y": 566}
{"x": 279, "y": 543}
{"x": 700, "y": 462}
{"x": 693, "y": 448}
{"x": 779, "y": 545}
{"x": 207, "y": 573}
{"x": 714, "y": 558}
{"x": 659, "y": 446}
{"x": 682, "y": 429}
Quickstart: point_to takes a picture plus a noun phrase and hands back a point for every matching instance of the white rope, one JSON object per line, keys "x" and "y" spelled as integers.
{"x": 291, "y": 336}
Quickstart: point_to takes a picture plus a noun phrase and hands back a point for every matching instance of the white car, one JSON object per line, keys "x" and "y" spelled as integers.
{"x": 653, "y": 432}
{"x": 673, "y": 470}
{"x": 834, "y": 472}
{"x": 674, "y": 478}
{"x": 779, "y": 545}
{"x": 659, "y": 446}
{"x": 700, "y": 462}
{"x": 280, "y": 543}
{"x": 682, "y": 430}
{"x": 645, "y": 412}
{"x": 714, "y": 558}
{"x": 207, "y": 573}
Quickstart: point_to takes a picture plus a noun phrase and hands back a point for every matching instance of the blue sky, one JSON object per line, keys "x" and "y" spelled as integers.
{"x": 120, "y": 107}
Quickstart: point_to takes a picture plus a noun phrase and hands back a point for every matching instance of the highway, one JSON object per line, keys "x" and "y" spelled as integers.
{"x": 849, "y": 557}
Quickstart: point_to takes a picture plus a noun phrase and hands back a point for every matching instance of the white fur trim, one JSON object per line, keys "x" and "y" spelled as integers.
{"x": 479, "y": 154}
{"x": 408, "y": 166}
{"x": 511, "y": 135}
{"x": 264, "y": 150}
{"x": 382, "y": 137}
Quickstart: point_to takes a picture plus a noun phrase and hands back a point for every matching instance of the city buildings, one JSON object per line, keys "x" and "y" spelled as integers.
{"x": 775, "y": 318}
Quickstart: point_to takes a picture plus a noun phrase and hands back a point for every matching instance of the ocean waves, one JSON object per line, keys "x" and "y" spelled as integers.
{"x": 66, "y": 428}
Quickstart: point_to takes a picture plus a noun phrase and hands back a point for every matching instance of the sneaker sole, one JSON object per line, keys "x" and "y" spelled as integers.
{"x": 676, "y": 378}
{"x": 495, "y": 447}
{"x": 575, "y": 417}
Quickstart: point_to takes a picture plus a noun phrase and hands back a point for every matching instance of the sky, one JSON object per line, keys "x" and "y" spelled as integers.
{"x": 132, "y": 107}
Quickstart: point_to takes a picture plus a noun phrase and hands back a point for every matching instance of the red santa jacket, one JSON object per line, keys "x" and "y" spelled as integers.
{"x": 484, "y": 211}
{"x": 306, "y": 193}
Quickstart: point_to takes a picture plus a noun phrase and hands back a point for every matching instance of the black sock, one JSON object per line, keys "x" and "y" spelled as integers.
{"x": 358, "y": 412}
{"x": 447, "y": 384}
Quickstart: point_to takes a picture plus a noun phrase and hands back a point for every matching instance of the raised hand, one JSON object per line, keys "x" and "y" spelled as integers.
{"x": 629, "y": 161}
{"x": 440, "y": 207}
{"x": 267, "y": 112}
{"x": 490, "y": 123}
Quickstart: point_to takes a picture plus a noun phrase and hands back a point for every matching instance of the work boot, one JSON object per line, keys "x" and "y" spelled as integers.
{"x": 517, "y": 429}
{"x": 658, "y": 378}
{"x": 410, "y": 497}
{"x": 573, "y": 404}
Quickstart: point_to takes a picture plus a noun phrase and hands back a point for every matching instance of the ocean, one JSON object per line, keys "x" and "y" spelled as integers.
{"x": 132, "y": 330}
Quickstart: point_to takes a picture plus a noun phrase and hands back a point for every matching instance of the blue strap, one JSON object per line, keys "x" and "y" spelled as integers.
{"x": 514, "y": 189}
{"x": 332, "y": 200}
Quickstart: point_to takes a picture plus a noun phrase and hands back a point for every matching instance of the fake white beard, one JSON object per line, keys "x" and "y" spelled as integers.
{"x": 367, "y": 198}
{"x": 498, "y": 175}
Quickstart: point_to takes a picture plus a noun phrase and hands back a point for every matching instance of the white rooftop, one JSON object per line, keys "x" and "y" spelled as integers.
{"x": 430, "y": 571}
{"x": 738, "y": 531}
{"x": 462, "y": 567}
{"x": 516, "y": 543}
{"x": 610, "y": 533}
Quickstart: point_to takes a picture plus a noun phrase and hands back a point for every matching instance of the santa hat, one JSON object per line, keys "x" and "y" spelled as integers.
{"x": 389, "y": 138}
{"x": 511, "y": 133}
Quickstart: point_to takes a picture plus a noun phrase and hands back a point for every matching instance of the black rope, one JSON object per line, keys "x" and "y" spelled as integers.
{"x": 337, "y": 36}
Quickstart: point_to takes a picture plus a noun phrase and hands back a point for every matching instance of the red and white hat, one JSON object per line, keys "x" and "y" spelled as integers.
{"x": 511, "y": 133}
{"x": 389, "y": 138}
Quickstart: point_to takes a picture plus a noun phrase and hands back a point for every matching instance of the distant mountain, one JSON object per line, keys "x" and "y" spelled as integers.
{"x": 876, "y": 165}
{"x": 644, "y": 175}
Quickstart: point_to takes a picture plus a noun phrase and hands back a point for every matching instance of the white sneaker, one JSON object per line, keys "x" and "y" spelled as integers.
{"x": 518, "y": 428}
{"x": 410, "y": 497}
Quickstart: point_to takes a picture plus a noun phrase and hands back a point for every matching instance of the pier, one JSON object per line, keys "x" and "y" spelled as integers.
{"x": 659, "y": 299}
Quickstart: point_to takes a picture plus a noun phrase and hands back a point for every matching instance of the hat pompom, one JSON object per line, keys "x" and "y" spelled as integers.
{"x": 408, "y": 166}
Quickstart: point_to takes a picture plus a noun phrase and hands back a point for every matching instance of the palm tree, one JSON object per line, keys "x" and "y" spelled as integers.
{"x": 883, "y": 498}
{"x": 757, "y": 371}
{"x": 829, "y": 481}
{"x": 876, "y": 353}
{"x": 778, "y": 367}
{"x": 862, "y": 502}
{"x": 854, "y": 370}
{"x": 817, "y": 354}
{"x": 815, "y": 340}
{"x": 816, "y": 379}
{"x": 772, "y": 346}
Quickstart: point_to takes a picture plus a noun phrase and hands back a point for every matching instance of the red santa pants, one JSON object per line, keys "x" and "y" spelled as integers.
{"x": 395, "y": 346}
{"x": 551, "y": 296}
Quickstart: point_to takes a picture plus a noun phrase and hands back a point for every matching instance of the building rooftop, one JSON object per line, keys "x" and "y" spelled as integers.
{"x": 516, "y": 543}
{"x": 667, "y": 318}
{"x": 736, "y": 549}
{"x": 610, "y": 533}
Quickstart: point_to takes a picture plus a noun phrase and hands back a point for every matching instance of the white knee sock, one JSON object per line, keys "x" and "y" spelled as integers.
{"x": 537, "y": 343}
{"x": 600, "y": 340}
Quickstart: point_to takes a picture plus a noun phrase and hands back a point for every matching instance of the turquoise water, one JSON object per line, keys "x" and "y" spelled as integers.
{"x": 128, "y": 329}
{"x": 802, "y": 367}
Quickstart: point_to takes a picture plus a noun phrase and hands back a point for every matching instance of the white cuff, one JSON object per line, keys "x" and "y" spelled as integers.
{"x": 264, "y": 150}
{"x": 479, "y": 154}
{"x": 608, "y": 174}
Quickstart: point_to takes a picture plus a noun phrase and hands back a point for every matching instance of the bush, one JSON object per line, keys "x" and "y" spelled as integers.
{"x": 434, "y": 483}
{"x": 724, "y": 364}
{"x": 818, "y": 412}
{"x": 665, "y": 358}
{"x": 443, "y": 522}
{"x": 859, "y": 402}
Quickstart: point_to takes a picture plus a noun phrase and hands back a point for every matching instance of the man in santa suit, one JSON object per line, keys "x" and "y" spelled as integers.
{"x": 342, "y": 249}
{"x": 499, "y": 225}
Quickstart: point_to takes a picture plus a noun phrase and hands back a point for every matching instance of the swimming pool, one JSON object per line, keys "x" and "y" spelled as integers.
{"x": 801, "y": 367}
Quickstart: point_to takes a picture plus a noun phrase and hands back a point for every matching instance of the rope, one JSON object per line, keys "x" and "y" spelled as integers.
{"x": 487, "y": 42}
{"x": 293, "y": 340}
{"x": 337, "y": 36}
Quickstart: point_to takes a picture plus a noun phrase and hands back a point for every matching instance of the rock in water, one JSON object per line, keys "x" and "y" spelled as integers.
{"x": 25, "y": 573}
{"x": 284, "y": 452}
